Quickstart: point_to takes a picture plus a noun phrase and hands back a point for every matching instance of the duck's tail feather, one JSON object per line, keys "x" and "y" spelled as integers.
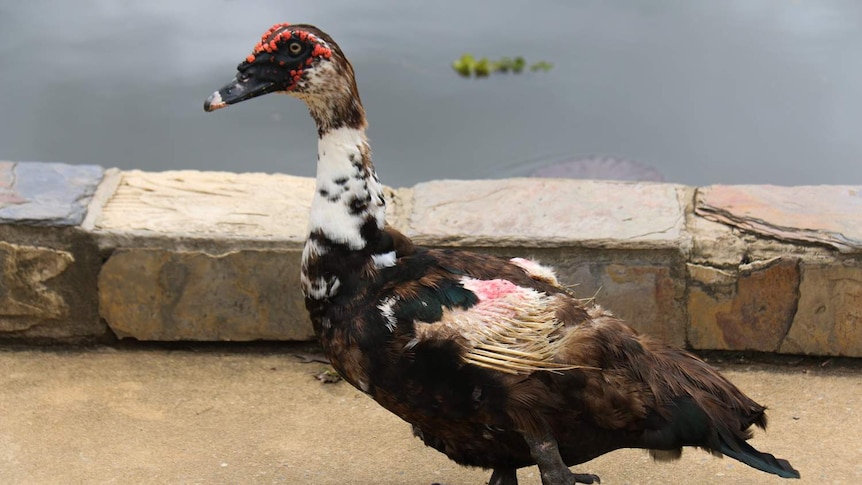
{"x": 708, "y": 411}
{"x": 738, "y": 449}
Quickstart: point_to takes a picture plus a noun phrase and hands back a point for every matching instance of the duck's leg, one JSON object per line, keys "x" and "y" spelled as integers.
{"x": 504, "y": 476}
{"x": 546, "y": 452}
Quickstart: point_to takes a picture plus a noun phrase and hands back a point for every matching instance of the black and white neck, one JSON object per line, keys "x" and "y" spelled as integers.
{"x": 347, "y": 213}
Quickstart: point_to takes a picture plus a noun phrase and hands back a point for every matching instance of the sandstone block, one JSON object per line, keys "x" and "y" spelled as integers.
{"x": 829, "y": 319}
{"x": 153, "y": 294}
{"x": 546, "y": 213}
{"x": 751, "y": 308}
{"x": 223, "y": 206}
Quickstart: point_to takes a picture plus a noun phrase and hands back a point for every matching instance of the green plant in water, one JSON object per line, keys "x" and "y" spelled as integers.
{"x": 464, "y": 65}
{"x": 542, "y": 66}
{"x": 467, "y": 65}
{"x": 483, "y": 67}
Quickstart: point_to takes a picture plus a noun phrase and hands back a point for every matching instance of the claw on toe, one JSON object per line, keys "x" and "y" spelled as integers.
{"x": 587, "y": 478}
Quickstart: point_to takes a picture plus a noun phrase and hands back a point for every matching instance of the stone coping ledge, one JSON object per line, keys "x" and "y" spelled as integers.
{"x": 89, "y": 253}
{"x": 819, "y": 214}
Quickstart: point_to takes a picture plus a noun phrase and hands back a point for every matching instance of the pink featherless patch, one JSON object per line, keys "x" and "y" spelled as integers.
{"x": 491, "y": 289}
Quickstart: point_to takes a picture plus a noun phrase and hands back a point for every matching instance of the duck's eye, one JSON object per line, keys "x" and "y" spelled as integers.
{"x": 294, "y": 48}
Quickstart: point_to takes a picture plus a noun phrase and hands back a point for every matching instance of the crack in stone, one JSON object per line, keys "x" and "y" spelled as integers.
{"x": 797, "y": 294}
{"x": 679, "y": 219}
{"x": 473, "y": 199}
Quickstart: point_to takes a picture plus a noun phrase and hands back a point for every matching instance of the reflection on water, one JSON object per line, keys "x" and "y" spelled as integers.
{"x": 595, "y": 168}
{"x": 741, "y": 91}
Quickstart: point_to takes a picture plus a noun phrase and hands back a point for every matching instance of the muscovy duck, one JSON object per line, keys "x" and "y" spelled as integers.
{"x": 491, "y": 360}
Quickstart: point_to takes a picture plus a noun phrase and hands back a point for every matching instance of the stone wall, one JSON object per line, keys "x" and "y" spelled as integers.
{"x": 89, "y": 254}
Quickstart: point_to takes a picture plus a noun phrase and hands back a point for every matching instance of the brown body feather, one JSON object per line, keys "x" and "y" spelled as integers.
{"x": 623, "y": 389}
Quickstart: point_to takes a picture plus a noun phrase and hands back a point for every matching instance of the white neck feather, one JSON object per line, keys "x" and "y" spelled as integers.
{"x": 343, "y": 180}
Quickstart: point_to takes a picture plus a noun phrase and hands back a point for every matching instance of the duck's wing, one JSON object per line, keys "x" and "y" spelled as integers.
{"x": 511, "y": 316}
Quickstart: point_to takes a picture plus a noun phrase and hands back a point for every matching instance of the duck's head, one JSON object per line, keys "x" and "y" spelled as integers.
{"x": 304, "y": 62}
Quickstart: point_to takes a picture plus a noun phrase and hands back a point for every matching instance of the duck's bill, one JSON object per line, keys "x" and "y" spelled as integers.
{"x": 240, "y": 89}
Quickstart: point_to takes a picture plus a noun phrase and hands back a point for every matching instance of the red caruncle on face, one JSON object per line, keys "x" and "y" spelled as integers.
{"x": 277, "y": 37}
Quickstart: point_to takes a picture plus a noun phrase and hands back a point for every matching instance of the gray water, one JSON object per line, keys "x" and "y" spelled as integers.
{"x": 731, "y": 91}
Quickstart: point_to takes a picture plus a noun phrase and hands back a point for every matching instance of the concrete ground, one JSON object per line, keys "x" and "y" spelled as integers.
{"x": 256, "y": 414}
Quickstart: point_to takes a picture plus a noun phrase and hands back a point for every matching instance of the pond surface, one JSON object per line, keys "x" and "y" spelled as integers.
{"x": 736, "y": 91}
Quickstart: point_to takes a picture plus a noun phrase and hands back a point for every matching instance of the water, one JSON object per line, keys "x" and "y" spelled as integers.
{"x": 738, "y": 91}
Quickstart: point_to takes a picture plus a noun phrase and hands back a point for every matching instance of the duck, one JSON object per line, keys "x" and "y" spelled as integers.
{"x": 491, "y": 360}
